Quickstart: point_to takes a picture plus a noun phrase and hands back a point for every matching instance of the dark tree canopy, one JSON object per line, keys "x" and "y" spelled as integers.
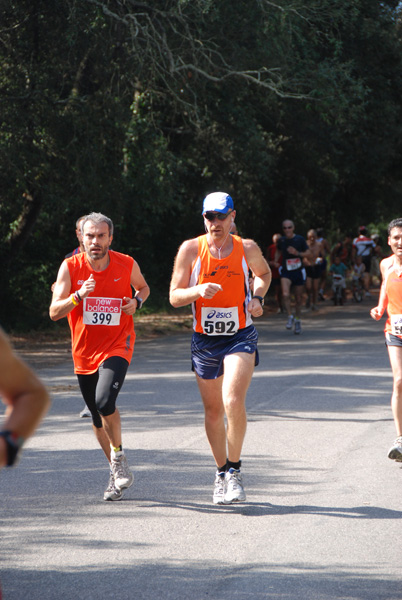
{"x": 138, "y": 109}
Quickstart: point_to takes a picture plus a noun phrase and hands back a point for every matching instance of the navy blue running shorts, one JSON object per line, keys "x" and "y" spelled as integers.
{"x": 297, "y": 277}
{"x": 392, "y": 340}
{"x": 209, "y": 351}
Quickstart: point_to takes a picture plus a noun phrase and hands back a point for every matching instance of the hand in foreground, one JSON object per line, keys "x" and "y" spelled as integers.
{"x": 208, "y": 290}
{"x": 130, "y": 307}
{"x": 87, "y": 287}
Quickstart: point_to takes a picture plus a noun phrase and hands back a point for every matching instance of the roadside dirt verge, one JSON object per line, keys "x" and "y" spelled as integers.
{"x": 49, "y": 348}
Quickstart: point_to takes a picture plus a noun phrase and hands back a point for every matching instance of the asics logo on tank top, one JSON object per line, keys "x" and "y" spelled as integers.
{"x": 214, "y": 272}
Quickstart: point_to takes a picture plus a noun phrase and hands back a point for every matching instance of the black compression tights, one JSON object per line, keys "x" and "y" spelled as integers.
{"x": 100, "y": 389}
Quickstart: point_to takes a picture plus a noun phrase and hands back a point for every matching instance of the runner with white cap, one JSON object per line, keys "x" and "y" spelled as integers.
{"x": 211, "y": 273}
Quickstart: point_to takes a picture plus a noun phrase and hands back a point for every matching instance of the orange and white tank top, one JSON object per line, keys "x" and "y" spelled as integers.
{"x": 393, "y": 288}
{"x": 226, "y": 312}
{"x": 99, "y": 328}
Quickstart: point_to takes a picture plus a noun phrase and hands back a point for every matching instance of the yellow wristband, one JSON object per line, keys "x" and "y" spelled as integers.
{"x": 73, "y": 300}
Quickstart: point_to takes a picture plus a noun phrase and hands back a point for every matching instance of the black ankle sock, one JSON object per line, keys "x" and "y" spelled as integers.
{"x": 223, "y": 469}
{"x": 233, "y": 465}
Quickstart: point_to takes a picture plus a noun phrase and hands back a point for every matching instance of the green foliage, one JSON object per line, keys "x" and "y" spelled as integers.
{"x": 292, "y": 107}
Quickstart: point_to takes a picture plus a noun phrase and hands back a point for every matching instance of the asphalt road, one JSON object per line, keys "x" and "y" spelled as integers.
{"x": 323, "y": 516}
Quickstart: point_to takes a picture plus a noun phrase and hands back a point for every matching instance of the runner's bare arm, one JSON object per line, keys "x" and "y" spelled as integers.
{"x": 23, "y": 393}
{"x": 141, "y": 290}
{"x": 262, "y": 275}
{"x": 62, "y": 302}
{"x": 180, "y": 292}
{"x": 378, "y": 311}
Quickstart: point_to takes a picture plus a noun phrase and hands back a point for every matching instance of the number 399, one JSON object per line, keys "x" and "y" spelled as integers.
{"x": 101, "y": 318}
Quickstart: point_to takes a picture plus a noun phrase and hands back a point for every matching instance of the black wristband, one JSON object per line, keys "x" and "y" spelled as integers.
{"x": 261, "y": 299}
{"x": 14, "y": 445}
{"x": 139, "y": 302}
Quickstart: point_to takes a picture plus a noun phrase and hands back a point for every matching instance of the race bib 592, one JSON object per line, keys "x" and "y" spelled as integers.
{"x": 219, "y": 321}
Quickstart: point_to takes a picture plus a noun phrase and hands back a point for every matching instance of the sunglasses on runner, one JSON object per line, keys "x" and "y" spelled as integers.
{"x": 211, "y": 216}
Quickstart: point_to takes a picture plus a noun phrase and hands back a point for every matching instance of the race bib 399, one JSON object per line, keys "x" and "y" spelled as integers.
{"x": 102, "y": 311}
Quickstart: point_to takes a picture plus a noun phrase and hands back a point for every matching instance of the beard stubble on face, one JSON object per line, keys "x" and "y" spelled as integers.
{"x": 101, "y": 252}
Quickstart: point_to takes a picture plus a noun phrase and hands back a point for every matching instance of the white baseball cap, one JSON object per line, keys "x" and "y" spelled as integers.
{"x": 217, "y": 202}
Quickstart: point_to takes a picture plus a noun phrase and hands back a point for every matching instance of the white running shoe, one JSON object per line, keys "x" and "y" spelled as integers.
{"x": 123, "y": 477}
{"x": 218, "y": 496}
{"x": 289, "y": 323}
{"x": 85, "y": 412}
{"x": 395, "y": 452}
{"x": 234, "y": 487}
{"x": 111, "y": 492}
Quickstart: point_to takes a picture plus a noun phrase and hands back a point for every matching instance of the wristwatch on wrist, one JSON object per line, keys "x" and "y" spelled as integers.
{"x": 14, "y": 446}
{"x": 139, "y": 302}
{"x": 261, "y": 299}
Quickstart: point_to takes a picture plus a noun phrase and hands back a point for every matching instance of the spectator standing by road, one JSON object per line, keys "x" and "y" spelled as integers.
{"x": 376, "y": 258}
{"x": 339, "y": 270}
{"x": 343, "y": 249}
{"x": 391, "y": 300}
{"x": 93, "y": 290}
{"x": 325, "y": 251}
{"x": 211, "y": 273}
{"x": 313, "y": 269}
{"x": 363, "y": 246}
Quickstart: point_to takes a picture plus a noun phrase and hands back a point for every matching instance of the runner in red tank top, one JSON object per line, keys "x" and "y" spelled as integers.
{"x": 211, "y": 273}
{"x": 391, "y": 299}
{"x": 93, "y": 290}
